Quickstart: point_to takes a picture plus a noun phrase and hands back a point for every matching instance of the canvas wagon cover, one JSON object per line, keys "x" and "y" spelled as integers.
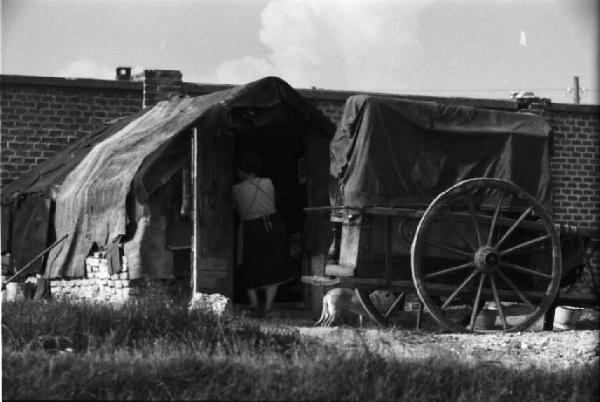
{"x": 392, "y": 152}
{"x": 93, "y": 177}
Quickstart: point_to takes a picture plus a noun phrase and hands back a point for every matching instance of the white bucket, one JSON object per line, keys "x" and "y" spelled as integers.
{"x": 566, "y": 317}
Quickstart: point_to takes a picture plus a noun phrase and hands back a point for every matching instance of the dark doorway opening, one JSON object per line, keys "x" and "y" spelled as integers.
{"x": 283, "y": 159}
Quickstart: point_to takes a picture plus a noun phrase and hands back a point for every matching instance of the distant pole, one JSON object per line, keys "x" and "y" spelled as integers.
{"x": 576, "y": 89}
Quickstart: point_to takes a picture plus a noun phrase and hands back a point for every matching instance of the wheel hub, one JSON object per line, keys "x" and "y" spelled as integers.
{"x": 486, "y": 258}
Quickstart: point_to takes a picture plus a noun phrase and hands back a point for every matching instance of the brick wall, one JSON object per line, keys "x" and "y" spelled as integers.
{"x": 575, "y": 168}
{"x": 40, "y": 116}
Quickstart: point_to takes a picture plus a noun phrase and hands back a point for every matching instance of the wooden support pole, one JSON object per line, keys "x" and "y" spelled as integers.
{"x": 419, "y": 315}
{"x": 195, "y": 240}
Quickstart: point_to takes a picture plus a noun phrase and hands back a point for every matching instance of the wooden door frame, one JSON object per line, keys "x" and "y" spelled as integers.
{"x": 212, "y": 265}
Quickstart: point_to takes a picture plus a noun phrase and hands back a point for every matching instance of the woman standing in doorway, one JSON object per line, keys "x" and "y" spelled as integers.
{"x": 262, "y": 238}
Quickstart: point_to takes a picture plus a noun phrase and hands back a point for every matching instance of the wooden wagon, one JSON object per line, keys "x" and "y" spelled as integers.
{"x": 452, "y": 202}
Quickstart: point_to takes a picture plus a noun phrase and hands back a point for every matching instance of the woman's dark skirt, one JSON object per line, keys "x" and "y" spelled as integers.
{"x": 266, "y": 256}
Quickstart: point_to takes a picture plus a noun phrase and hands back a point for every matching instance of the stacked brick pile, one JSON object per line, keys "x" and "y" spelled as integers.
{"x": 99, "y": 286}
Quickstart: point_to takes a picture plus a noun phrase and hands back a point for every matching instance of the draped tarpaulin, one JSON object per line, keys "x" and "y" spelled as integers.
{"x": 394, "y": 152}
{"x": 26, "y": 207}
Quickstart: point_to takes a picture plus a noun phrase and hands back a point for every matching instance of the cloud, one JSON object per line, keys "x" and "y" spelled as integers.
{"x": 86, "y": 68}
{"x": 361, "y": 44}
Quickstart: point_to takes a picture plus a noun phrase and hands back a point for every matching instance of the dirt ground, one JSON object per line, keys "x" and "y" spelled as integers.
{"x": 558, "y": 348}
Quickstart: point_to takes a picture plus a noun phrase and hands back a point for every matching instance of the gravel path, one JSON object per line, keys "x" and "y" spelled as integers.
{"x": 543, "y": 349}
{"x": 519, "y": 349}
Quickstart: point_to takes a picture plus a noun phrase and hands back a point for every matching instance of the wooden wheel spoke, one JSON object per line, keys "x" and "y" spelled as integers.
{"x": 525, "y": 270}
{"x": 494, "y": 219}
{"x": 523, "y": 245}
{"x": 497, "y": 300}
{"x": 475, "y": 225}
{"x": 459, "y": 288}
{"x": 448, "y": 248}
{"x": 394, "y": 305}
{"x": 516, "y": 290}
{"x": 372, "y": 312}
{"x": 450, "y": 270}
{"x": 476, "y": 303}
{"x": 514, "y": 226}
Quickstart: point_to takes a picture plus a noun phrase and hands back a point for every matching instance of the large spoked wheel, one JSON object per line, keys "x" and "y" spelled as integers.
{"x": 485, "y": 242}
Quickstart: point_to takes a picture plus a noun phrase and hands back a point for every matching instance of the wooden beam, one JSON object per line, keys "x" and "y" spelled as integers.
{"x": 195, "y": 240}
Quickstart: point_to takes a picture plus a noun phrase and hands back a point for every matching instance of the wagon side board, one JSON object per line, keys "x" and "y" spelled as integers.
{"x": 351, "y": 244}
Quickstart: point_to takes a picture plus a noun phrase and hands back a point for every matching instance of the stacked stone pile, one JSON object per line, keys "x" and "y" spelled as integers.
{"x": 98, "y": 285}
{"x": 215, "y": 303}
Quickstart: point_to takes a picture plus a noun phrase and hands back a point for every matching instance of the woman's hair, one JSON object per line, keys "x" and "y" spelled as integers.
{"x": 250, "y": 162}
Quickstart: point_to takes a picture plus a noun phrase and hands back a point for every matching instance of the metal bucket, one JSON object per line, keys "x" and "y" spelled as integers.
{"x": 486, "y": 319}
{"x": 566, "y": 317}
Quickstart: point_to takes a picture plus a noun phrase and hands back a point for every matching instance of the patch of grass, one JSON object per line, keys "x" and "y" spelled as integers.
{"x": 159, "y": 352}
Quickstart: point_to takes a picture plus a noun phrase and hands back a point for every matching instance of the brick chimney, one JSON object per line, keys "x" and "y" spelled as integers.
{"x": 161, "y": 85}
{"x": 123, "y": 73}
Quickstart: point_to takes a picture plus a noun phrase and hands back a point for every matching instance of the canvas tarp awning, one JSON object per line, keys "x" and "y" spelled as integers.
{"x": 26, "y": 203}
{"x": 94, "y": 182}
{"x": 392, "y": 152}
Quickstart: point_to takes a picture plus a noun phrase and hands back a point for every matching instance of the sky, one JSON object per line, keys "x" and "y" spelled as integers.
{"x": 486, "y": 49}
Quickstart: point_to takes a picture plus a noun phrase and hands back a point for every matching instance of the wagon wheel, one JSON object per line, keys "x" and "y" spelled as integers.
{"x": 471, "y": 246}
{"x": 380, "y": 317}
